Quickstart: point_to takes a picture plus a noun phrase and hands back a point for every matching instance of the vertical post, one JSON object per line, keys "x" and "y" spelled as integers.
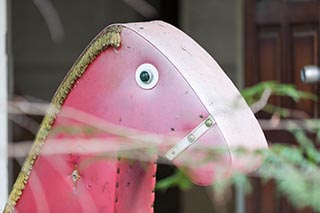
{"x": 240, "y": 201}
{"x": 3, "y": 107}
{"x": 239, "y": 24}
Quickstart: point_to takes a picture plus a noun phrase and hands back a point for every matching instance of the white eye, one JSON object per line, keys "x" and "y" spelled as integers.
{"x": 147, "y": 76}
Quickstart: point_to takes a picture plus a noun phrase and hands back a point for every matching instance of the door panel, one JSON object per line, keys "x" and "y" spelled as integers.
{"x": 304, "y": 51}
{"x": 269, "y": 54}
{"x": 281, "y": 36}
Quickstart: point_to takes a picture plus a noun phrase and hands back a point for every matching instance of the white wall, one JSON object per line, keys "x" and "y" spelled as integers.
{"x": 3, "y": 107}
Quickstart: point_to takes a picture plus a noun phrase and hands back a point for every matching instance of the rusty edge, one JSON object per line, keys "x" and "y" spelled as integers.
{"x": 110, "y": 36}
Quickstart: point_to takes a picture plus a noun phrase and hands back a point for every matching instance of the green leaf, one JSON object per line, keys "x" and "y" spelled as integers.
{"x": 254, "y": 93}
{"x": 178, "y": 179}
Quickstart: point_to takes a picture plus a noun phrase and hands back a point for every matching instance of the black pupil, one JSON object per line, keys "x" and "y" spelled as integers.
{"x": 144, "y": 76}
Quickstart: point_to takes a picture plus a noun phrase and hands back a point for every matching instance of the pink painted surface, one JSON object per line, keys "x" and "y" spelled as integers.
{"x": 216, "y": 91}
{"x": 191, "y": 86}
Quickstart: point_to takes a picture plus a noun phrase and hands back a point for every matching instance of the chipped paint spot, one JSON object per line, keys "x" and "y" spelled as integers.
{"x": 75, "y": 176}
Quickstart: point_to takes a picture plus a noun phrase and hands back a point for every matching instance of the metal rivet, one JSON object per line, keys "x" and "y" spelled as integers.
{"x": 208, "y": 122}
{"x": 191, "y": 138}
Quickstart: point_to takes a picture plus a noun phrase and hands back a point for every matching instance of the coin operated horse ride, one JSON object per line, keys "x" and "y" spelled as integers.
{"x": 137, "y": 85}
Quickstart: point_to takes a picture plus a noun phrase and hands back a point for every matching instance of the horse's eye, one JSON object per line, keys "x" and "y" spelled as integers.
{"x": 147, "y": 76}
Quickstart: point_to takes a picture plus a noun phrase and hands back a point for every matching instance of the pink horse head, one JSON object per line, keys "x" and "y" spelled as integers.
{"x": 170, "y": 95}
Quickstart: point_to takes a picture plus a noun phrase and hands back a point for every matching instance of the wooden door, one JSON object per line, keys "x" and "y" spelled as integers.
{"x": 281, "y": 36}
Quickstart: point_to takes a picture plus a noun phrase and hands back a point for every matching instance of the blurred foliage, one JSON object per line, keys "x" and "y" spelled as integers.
{"x": 254, "y": 93}
{"x": 293, "y": 167}
{"x": 178, "y": 179}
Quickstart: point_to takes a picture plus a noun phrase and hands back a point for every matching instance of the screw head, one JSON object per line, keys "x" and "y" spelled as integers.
{"x": 208, "y": 122}
{"x": 191, "y": 138}
{"x": 75, "y": 176}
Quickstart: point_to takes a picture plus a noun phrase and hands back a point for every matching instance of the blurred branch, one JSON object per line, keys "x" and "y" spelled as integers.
{"x": 294, "y": 168}
{"x": 25, "y": 122}
{"x": 262, "y": 102}
{"x": 24, "y": 107}
{"x": 127, "y": 149}
{"x": 254, "y": 93}
{"x": 311, "y": 125}
{"x": 143, "y": 8}
{"x": 52, "y": 19}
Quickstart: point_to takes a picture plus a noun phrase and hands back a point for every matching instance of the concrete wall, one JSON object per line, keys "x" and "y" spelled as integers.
{"x": 40, "y": 63}
{"x": 217, "y": 26}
